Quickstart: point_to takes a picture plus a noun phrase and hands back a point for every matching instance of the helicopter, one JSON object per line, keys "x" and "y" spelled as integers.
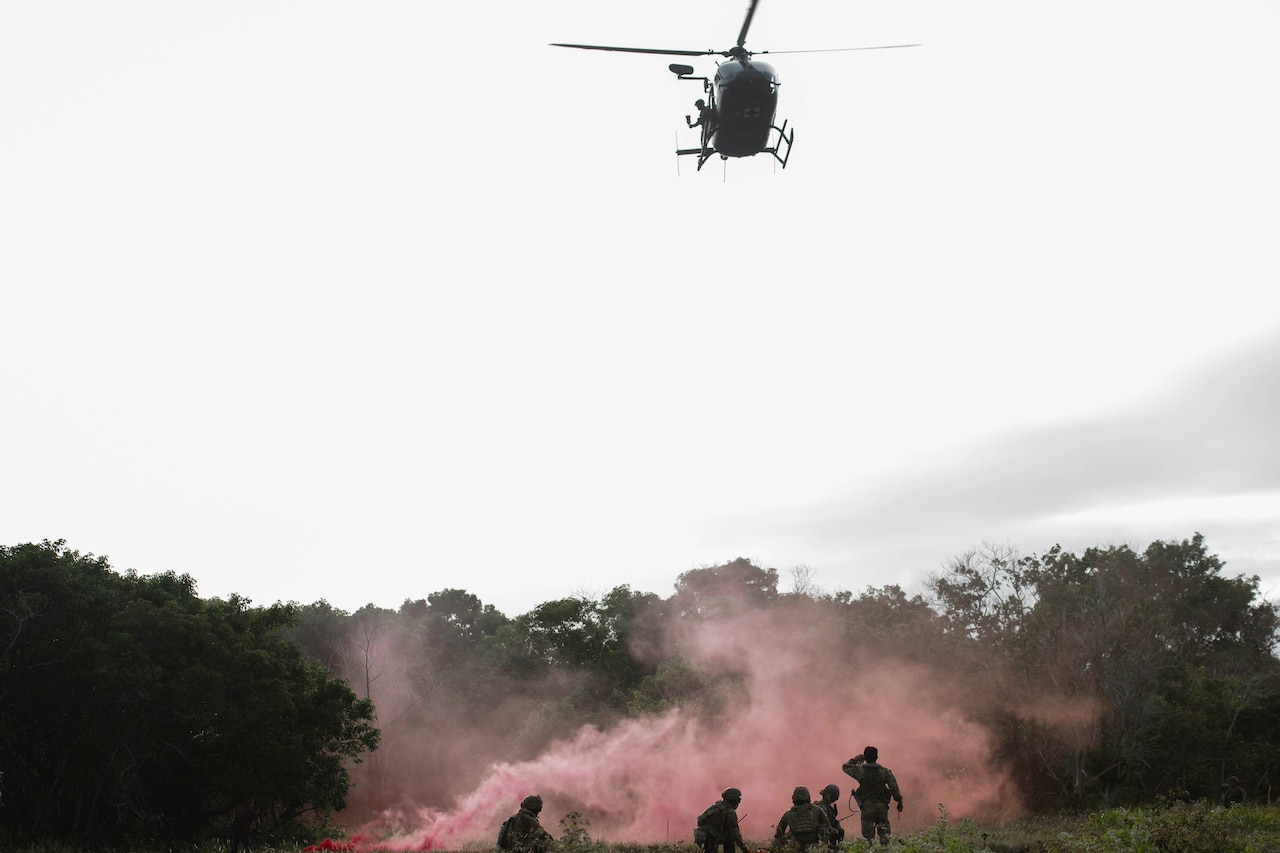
{"x": 738, "y": 117}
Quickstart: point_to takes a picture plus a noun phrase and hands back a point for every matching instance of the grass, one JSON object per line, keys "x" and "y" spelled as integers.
{"x": 1196, "y": 828}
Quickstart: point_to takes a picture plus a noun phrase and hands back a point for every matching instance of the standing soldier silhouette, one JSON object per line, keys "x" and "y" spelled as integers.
{"x": 876, "y": 786}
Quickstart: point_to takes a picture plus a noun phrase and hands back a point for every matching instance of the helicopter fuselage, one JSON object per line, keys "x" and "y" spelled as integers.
{"x": 746, "y": 98}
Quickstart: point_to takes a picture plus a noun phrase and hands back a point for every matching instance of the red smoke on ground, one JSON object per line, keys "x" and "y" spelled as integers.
{"x": 802, "y": 714}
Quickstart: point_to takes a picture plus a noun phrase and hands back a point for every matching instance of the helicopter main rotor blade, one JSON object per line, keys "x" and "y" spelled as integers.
{"x": 659, "y": 51}
{"x": 746, "y": 24}
{"x": 842, "y": 49}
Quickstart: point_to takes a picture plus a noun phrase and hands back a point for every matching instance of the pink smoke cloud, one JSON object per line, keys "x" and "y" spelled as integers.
{"x": 801, "y": 715}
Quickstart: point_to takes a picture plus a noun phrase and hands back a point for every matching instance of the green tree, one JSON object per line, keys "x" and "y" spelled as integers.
{"x": 885, "y": 621}
{"x": 134, "y": 708}
{"x": 587, "y": 642}
{"x": 324, "y": 632}
{"x": 727, "y": 588}
{"x": 984, "y": 594}
{"x": 1163, "y": 656}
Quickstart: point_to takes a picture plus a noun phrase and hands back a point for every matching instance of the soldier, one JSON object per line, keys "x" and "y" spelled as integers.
{"x": 717, "y": 830}
{"x": 808, "y": 824}
{"x": 706, "y": 115}
{"x": 876, "y": 786}
{"x": 522, "y": 833}
{"x": 706, "y": 121}
{"x": 830, "y": 796}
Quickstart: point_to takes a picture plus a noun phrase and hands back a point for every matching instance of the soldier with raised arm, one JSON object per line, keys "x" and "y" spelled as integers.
{"x": 876, "y": 786}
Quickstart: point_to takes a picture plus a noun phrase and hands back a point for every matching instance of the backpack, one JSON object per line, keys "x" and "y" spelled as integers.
{"x": 504, "y": 834}
{"x": 874, "y": 787}
{"x": 704, "y": 831}
{"x": 803, "y": 820}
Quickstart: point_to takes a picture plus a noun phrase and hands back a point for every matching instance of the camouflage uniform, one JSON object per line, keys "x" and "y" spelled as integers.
{"x": 526, "y": 835}
{"x": 808, "y": 824}
{"x": 721, "y": 823}
{"x": 827, "y": 803}
{"x": 876, "y": 786}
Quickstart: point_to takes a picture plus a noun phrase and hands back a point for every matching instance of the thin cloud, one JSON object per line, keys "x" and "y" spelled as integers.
{"x": 1207, "y": 443}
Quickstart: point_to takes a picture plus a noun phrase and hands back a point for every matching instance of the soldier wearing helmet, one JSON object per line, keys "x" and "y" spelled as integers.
{"x": 717, "y": 830}
{"x": 804, "y": 824}
{"x": 827, "y": 802}
{"x": 522, "y": 832}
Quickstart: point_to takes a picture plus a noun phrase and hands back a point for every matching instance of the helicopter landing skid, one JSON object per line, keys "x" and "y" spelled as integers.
{"x": 779, "y": 150}
{"x": 780, "y": 153}
{"x": 704, "y": 154}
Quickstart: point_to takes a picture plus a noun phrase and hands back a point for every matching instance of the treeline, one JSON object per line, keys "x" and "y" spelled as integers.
{"x": 1173, "y": 661}
{"x": 133, "y": 708}
{"x": 1178, "y": 659}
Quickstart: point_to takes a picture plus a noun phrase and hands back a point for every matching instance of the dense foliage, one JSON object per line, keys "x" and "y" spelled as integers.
{"x": 1176, "y": 660}
{"x": 134, "y": 708}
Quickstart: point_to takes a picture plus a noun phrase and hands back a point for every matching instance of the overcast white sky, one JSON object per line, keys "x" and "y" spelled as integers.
{"x": 360, "y": 301}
